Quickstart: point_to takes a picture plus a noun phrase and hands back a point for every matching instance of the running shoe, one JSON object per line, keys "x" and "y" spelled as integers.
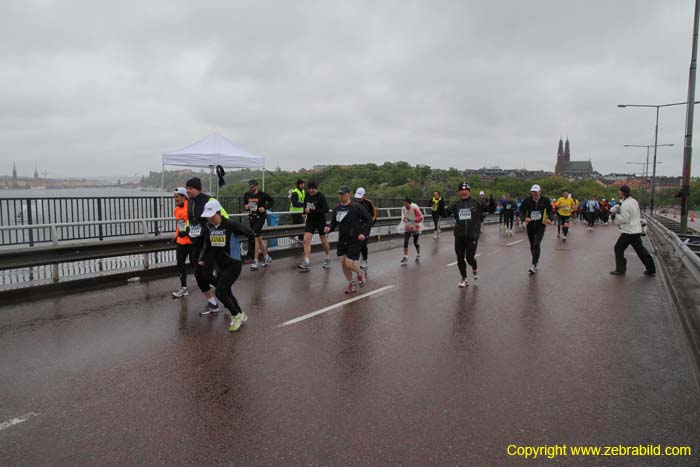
{"x": 463, "y": 283}
{"x": 362, "y": 279}
{"x": 181, "y": 292}
{"x": 305, "y": 266}
{"x": 417, "y": 258}
{"x": 210, "y": 308}
{"x": 266, "y": 261}
{"x": 363, "y": 263}
{"x": 532, "y": 270}
{"x": 476, "y": 275}
{"x": 617, "y": 273}
{"x": 255, "y": 266}
{"x": 236, "y": 322}
{"x": 327, "y": 263}
{"x": 351, "y": 289}
{"x": 435, "y": 237}
{"x": 404, "y": 261}
{"x": 563, "y": 239}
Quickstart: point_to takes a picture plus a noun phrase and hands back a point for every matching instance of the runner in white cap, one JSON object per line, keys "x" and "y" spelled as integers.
{"x": 537, "y": 213}
{"x": 482, "y": 214}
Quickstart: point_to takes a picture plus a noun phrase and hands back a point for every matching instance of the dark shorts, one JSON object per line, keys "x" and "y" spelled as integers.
{"x": 350, "y": 249}
{"x": 256, "y": 225}
{"x": 563, "y": 219}
{"x": 315, "y": 226}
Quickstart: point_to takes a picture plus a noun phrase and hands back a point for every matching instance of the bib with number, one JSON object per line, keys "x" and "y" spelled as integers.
{"x": 195, "y": 230}
{"x": 508, "y": 206}
{"x": 536, "y": 215}
{"x": 218, "y": 238}
{"x": 311, "y": 206}
{"x": 252, "y": 206}
{"x": 465, "y": 214}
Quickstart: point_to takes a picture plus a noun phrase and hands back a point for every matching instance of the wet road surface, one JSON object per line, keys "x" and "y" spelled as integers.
{"x": 420, "y": 373}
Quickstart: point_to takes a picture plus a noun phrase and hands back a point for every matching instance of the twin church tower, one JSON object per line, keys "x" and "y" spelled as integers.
{"x": 566, "y": 167}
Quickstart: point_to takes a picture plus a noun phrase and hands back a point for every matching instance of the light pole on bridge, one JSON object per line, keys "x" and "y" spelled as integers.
{"x": 645, "y": 164}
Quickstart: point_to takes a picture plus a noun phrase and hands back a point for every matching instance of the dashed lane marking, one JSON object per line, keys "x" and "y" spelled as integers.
{"x": 513, "y": 243}
{"x": 333, "y": 307}
{"x": 16, "y": 421}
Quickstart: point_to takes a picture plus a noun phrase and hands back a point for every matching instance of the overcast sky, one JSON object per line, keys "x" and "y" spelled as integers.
{"x": 99, "y": 88}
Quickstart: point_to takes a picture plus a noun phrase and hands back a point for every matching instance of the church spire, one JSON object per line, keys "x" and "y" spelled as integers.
{"x": 14, "y": 171}
{"x": 560, "y": 151}
{"x": 567, "y": 151}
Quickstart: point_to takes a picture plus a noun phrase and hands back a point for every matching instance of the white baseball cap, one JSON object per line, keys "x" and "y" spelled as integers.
{"x": 535, "y": 188}
{"x": 360, "y": 192}
{"x": 211, "y": 208}
{"x": 181, "y": 191}
{"x": 481, "y": 193}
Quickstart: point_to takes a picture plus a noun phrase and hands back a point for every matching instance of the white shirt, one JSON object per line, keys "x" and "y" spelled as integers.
{"x": 629, "y": 217}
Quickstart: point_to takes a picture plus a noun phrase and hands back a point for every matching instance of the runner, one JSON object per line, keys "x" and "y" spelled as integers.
{"x": 592, "y": 208}
{"x": 297, "y": 205}
{"x": 509, "y": 214}
{"x": 197, "y": 228}
{"x": 353, "y": 223}
{"x": 564, "y": 206}
{"x": 630, "y": 223}
{"x": 538, "y": 212}
{"x": 604, "y": 211}
{"x": 437, "y": 209}
{"x": 316, "y": 209}
{"x": 502, "y": 213}
{"x": 482, "y": 214}
{"x": 257, "y": 203}
{"x": 183, "y": 250}
{"x": 467, "y": 213}
{"x": 222, "y": 250}
{"x": 361, "y": 197}
{"x": 412, "y": 219}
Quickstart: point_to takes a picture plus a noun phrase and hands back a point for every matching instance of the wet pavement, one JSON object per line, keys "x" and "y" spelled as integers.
{"x": 420, "y": 373}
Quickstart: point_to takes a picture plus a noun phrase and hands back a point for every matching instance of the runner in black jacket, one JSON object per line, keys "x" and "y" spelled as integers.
{"x": 353, "y": 223}
{"x": 537, "y": 213}
{"x": 468, "y": 214}
{"x": 222, "y": 249}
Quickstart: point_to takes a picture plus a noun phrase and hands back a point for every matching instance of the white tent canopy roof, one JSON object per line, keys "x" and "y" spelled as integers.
{"x": 212, "y": 151}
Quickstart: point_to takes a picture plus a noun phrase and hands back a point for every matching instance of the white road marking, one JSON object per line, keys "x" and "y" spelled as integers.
{"x": 16, "y": 421}
{"x": 332, "y": 307}
{"x": 517, "y": 241}
{"x": 452, "y": 264}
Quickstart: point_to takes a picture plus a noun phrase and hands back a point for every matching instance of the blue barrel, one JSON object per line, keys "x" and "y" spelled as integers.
{"x": 273, "y": 219}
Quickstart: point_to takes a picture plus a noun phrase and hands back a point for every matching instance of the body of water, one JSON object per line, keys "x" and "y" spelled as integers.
{"x": 79, "y": 192}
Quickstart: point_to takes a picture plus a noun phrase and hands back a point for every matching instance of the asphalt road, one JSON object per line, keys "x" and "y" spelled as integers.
{"x": 417, "y": 373}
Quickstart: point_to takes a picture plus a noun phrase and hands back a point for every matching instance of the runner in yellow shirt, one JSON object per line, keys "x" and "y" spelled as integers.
{"x": 564, "y": 210}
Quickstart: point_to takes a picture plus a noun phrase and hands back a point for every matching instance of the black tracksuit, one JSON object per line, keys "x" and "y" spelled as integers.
{"x": 468, "y": 214}
{"x": 538, "y": 212}
{"x": 197, "y": 232}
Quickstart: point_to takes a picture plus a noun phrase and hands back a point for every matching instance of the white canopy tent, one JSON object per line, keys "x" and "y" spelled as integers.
{"x": 212, "y": 151}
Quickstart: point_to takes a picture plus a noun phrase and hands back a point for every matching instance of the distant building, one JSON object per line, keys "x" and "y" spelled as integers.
{"x": 490, "y": 173}
{"x": 565, "y": 167}
{"x": 14, "y": 172}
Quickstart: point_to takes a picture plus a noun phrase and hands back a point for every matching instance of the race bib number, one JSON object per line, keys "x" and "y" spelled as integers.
{"x": 536, "y": 215}
{"x": 252, "y": 206}
{"x": 181, "y": 225}
{"x": 218, "y": 240}
{"x": 311, "y": 206}
{"x": 465, "y": 214}
{"x": 508, "y": 206}
{"x": 195, "y": 230}
{"x": 340, "y": 215}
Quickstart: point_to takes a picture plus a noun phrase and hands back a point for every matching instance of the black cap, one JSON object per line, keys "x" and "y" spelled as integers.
{"x": 625, "y": 190}
{"x": 195, "y": 183}
{"x": 299, "y": 181}
{"x": 252, "y": 182}
{"x": 312, "y": 184}
{"x": 407, "y": 200}
{"x": 464, "y": 186}
{"x": 343, "y": 190}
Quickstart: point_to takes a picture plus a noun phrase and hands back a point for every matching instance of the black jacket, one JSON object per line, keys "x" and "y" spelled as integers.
{"x": 543, "y": 206}
{"x": 351, "y": 220}
{"x": 221, "y": 244}
{"x": 467, "y": 214}
{"x": 198, "y": 224}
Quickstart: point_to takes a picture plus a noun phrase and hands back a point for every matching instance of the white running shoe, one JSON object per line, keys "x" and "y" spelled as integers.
{"x": 417, "y": 258}
{"x": 327, "y": 263}
{"x": 532, "y": 270}
{"x": 266, "y": 261}
{"x": 255, "y": 266}
{"x": 363, "y": 263}
{"x": 463, "y": 283}
{"x": 404, "y": 261}
{"x": 181, "y": 292}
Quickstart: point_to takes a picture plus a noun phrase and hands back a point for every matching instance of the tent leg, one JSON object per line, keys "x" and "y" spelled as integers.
{"x": 263, "y": 177}
{"x": 211, "y": 173}
{"x": 162, "y": 178}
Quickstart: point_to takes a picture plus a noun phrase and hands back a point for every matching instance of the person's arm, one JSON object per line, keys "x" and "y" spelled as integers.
{"x": 241, "y": 230}
{"x": 334, "y": 223}
{"x": 268, "y": 201}
{"x": 418, "y": 214}
{"x": 365, "y": 218}
{"x": 206, "y": 247}
{"x": 374, "y": 212}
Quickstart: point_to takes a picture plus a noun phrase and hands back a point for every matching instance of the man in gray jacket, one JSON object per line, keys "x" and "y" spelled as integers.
{"x": 629, "y": 220}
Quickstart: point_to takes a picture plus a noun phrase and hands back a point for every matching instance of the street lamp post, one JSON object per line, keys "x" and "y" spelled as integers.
{"x": 656, "y": 136}
{"x": 646, "y": 166}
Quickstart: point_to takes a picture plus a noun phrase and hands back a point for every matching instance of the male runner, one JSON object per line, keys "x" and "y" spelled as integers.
{"x": 564, "y": 210}
{"x": 467, "y": 213}
{"x": 537, "y": 210}
{"x": 509, "y": 214}
{"x": 353, "y": 223}
{"x": 361, "y": 197}
{"x": 315, "y": 208}
{"x": 223, "y": 250}
{"x": 257, "y": 203}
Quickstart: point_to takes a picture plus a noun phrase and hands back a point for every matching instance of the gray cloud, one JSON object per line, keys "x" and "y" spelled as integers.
{"x": 92, "y": 88}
